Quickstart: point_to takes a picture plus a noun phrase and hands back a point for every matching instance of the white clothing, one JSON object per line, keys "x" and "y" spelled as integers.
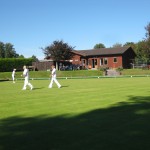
{"x": 26, "y": 79}
{"x": 13, "y": 76}
{"x": 53, "y": 79}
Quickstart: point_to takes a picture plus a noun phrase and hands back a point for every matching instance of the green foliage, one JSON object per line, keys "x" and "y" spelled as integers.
{"x": 116, "y": 45}
{"x": 119, "y": 69}
{"x": 2, "y": 50}
{"x": 104, "y": 68}
{"x": 142, "y": 48}
{"x": 21, "y": 56}
{"x": 7, "y": 51}
{"x": 34, "y": 58}
{"x": 8, "y": 64}
{"x": 58, "y": 51}
{"x": 100, "y": 45}
{"x": 147, "y": 28}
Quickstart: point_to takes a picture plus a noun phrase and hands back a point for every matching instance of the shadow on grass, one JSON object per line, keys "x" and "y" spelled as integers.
{"x": 3, "y": 80}
{"x": 122, "y": 127}
{"x": 65, "y": 86}
{"x": 38, "y": 88}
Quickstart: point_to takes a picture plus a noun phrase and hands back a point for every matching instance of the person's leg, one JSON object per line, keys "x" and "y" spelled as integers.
{"x": 13, "y": 78}
{"x": 25, "y": 84}
{"x": 30, "y": 85}
{"x": 58, "y": 84}
{"x": 51, "y": 83}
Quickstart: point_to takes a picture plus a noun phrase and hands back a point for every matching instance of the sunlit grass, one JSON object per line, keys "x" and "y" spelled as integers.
{"x": 84, "y": 114}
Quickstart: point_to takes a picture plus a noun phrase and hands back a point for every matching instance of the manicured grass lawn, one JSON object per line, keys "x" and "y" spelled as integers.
{"x": 85, "y": 114}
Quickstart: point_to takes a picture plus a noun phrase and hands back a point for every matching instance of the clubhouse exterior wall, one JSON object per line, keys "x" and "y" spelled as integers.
{"x": 111, "y": 60}
{"x": 96, "y": 62}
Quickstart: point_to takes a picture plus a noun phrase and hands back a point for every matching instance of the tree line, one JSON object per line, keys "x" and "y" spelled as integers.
{"x": 60, "y": 50}
{"x": 7, "y": 51}
{"x": 141, "y": 48}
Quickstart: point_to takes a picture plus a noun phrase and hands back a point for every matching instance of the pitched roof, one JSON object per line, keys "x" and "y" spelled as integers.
{"x": 102, "y": 51}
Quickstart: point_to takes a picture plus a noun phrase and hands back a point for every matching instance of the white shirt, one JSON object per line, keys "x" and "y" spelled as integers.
{"x": 54, "y": 73}
{"x": 26, "y": 73}
{"x": 13, "y": 73}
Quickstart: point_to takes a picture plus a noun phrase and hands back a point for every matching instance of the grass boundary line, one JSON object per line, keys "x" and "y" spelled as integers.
{"x": 82, "y": 77}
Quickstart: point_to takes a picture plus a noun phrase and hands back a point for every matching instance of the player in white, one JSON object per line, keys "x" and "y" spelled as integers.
{"x": 53, "y": 78}
{"x": 26, "y": 79}
{"x": 13, "y": 75}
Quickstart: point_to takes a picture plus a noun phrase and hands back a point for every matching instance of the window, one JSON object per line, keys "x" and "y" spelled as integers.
{"x": 86, "y": 62}
{"x": 105, "y": 61}
{"x": 115, "y": 60}
{"x": 83, "y": 61}
{"x": 95, "y": 61}
{"x": 101, "y": 61}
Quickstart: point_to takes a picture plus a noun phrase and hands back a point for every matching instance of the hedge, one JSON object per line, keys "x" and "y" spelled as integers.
{"x": 8, "y": 64}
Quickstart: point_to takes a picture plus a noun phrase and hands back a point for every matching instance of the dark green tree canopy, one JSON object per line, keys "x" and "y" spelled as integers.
{"x": 34, "y": 58}
{"x": 2, "y": 50}
{"x": 100, "y": 45}
{"x": 58, "y": 51}
{"x": 7, "y": 51}
{"x": 10, "y": 51}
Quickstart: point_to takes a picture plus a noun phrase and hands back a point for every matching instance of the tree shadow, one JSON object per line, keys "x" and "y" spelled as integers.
{"x": 125, "y": 126}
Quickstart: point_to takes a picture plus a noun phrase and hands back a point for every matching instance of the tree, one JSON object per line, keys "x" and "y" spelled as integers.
{"x": 10, "y": 51}
{"x": 140, "y": 51}
{"x": 7, "y": 51}
{"x": 59, "y": 51}
{"x": 147, "y": 41}
{"x": 100, "y": 45}
{"x": 2, "y": 50}
{"x": 131, "y": 44}
{"x": 117, "y": 45}
{"x": 21, "y": 56}
{"x": 34, "y": 58}
{"x": 147, "y": 28}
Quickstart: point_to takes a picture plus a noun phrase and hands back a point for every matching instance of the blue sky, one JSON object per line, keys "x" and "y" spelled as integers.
{"x": 32, "y": 24}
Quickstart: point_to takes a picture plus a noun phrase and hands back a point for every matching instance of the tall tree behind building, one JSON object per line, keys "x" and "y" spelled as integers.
{"x": 59, "y": 51}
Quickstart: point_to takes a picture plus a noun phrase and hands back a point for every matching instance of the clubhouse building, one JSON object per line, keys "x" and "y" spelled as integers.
{"x": 104, "y": 57}
{"x": 95, "y": 59}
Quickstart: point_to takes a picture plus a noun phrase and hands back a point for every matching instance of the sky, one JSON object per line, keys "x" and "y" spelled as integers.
{"x": 34, "y": 24}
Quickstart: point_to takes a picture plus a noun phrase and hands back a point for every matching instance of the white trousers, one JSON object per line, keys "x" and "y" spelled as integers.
{"x": 13, "y": 78}
{"x": 26, "y": 82}
{"x": 53, "y": 79}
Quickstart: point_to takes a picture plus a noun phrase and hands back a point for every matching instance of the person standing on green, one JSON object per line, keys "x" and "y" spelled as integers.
{"x": 53, "y": 78}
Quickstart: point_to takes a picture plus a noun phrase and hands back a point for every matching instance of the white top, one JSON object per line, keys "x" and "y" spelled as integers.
{"x": 13, "y": 73}
{"x": 54, "y": 72}
{"x": 26, "y": 73}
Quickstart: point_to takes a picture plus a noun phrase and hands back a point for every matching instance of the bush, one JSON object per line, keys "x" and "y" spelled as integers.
{"x": 119, "y": 69}
{"x": 8, "y": 64}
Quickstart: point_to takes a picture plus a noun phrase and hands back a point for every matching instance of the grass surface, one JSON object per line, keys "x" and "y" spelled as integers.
{"x": 76, "y": 73}
{"x": 46, "y": 74}
{"x": 85, "y": 114}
